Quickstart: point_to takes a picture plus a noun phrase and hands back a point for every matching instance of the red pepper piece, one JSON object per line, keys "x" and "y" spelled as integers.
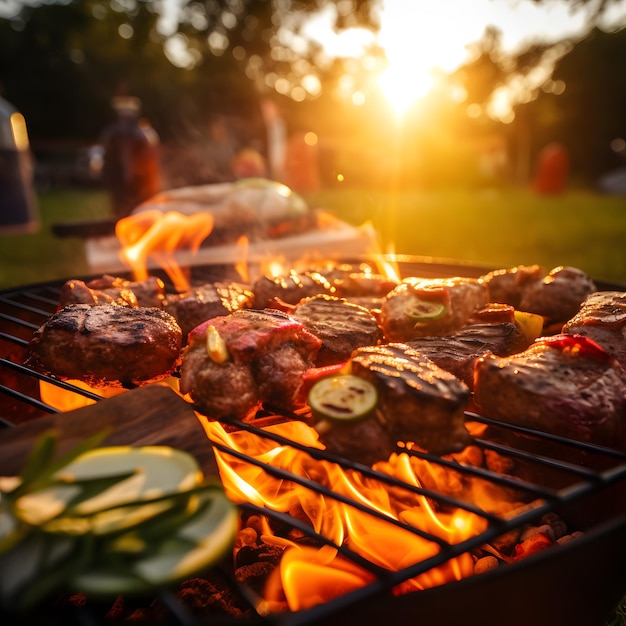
{"x": 578, "y": 345}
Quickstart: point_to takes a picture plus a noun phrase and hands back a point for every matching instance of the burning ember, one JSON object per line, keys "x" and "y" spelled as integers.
{"x": 380, "y": 528}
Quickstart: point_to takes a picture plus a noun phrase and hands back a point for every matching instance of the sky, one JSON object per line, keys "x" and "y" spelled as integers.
{"x": 420, "y": 38}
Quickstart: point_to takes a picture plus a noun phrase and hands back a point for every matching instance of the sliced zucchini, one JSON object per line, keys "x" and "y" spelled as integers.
{"x": 122, "y": 520}
{"x": 421, "y": 311}
{"x": 197, "y": 544}
{"x": 342, "y": 398}
{"x": 151, "y": 471}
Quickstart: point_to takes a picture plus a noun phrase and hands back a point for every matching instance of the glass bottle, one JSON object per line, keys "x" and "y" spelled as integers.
{"x": 131, "y": 167}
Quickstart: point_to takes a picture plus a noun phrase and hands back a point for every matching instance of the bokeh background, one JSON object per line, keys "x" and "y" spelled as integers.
{"x": 490, "y": 131}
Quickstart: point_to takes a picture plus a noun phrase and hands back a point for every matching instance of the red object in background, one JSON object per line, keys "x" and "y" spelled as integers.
{"x": 301, "y": 163}
{"x": 552, "y": 170}
{"x": 131, "y": 167}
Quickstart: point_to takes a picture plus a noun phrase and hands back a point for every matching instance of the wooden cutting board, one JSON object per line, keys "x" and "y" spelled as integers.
{"x": 151, "y": 415}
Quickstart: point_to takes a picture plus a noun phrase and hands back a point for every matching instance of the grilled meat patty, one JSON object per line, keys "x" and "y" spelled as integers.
{"x": 113, "y": 290}
{"x": 341, "y": 325}
{"x": 565, "y": 385}
{"x": 107, "y": 345}
{"x": 491, "y": 330}
{"x": 235, "y": 362}
{"x": 602, "y": 317}
{"x": 205, "y": 301}
{"x": 556, "y": 295}
{"x": 417, "y": 402}
{"x": 457, "y": 298}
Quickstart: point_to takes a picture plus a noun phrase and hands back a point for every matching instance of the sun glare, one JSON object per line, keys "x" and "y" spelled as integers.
{"x": 403, "y": 86}
{"x": 420, "y": 41}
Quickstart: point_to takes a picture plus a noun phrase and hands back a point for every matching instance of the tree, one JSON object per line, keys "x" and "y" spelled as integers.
{"x": 589, "y": 114}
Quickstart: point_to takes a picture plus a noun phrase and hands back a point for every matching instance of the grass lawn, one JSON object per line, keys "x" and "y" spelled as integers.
{"x": 38, "y": 257}
{"x": 497, "y": 228}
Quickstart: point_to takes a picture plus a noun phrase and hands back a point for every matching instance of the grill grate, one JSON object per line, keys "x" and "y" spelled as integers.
{"x": 24, "y": 310}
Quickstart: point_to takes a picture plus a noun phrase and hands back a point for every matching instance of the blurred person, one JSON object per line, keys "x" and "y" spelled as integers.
{"x": 249, "y": 163}
{"x": 131, "y": 165}
{"x": 552, "y": 170}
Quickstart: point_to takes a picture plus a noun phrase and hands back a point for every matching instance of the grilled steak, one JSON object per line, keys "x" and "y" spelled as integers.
{"x": 341, "y": 325}
{"x": 602, "y": 317}
{"x": 235, "y": 362}
{"x": 107, "y": 345}
{"x": 455, "y": 298}
{"x": 113, "y": 290}
{"x": 206, "y": 301}
{"x": 417, "y": 402}
{"x": 345, "y": 281}
{"x": 491, "y": 330}
{"x": 557, "y": 295}
{"x": 566, "y": 385}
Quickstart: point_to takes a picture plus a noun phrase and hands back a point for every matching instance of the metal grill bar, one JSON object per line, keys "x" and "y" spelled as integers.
{"x": 26, "y": 309}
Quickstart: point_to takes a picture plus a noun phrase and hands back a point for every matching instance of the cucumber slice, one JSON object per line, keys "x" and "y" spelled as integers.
{"x": 420, "y": 310}
{"x": 159, "y": 523}
{"x": 344, "y": 398}
{"x": 153, "y": 471}
{"x": 197, "y": 544}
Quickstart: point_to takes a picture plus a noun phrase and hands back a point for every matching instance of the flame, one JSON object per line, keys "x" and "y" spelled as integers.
{"x": 307, "y": 576}
{"x": 67, "y": 400}
{"x": 241, "y": 266}
{"x": 161, "y": 234}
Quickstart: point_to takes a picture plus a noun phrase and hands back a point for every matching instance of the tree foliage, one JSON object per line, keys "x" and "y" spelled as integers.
{"x": 61, "y": 63}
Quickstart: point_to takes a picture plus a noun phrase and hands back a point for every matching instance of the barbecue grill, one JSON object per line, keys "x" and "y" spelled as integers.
{"x": 579, "y": 582}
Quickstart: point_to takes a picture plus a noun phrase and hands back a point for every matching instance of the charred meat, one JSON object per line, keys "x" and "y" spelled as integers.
{"x": 344, "y": 281}
{"x": 602, "y": 318}
{"x": 496, "y": 329}
{"x": 341, "y": 325}
{"x": 430, "y": 307}
{"x": 234, "y": 363}
{"x": 107, "y": 345}
{"x": 113, "y": 290}
{"x": 565, "y": 384}
{"x": 418, "y": 402}
{"x": 206, "y": 301}
{"x": 556, "y": 295}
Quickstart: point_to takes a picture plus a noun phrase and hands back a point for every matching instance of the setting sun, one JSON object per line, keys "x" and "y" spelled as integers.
{"x": 419, "y": 42}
